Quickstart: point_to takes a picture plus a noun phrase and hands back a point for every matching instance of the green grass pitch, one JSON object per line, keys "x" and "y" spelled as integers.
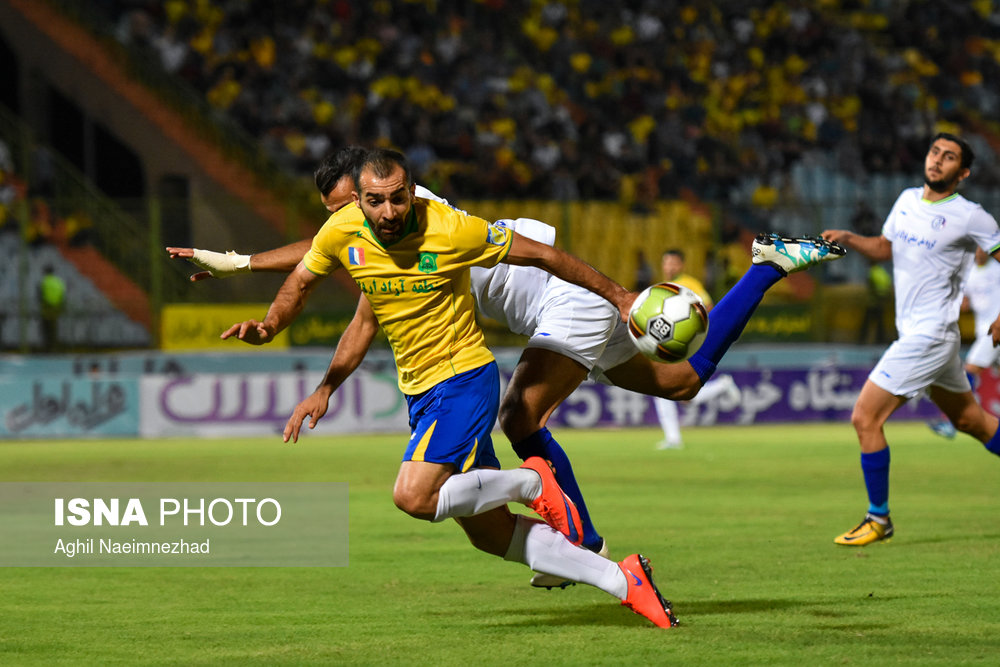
{"x": 739, "y": 527}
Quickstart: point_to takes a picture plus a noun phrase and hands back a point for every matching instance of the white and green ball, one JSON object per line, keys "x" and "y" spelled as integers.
{"x": 668, "y": 322}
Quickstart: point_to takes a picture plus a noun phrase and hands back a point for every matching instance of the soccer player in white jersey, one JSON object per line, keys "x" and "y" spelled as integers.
{"x": 571, "y": 331}
{"x": 672, "y": 267}
{"x": 983, "y": 296}
{"x": 931, "y": 234}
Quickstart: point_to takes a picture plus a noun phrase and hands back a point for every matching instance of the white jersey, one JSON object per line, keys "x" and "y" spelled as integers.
{"x": 506, "y": 293}
{"x": 932, "y": 248}
{"x": 983, "y": 290}
{"x": 512, "y": 294}
{"x": 554, "y": 314}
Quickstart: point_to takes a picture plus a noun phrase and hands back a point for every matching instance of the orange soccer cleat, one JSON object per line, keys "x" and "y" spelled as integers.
{"x": 643, "y": 596}
{"x": 554, "y": 506}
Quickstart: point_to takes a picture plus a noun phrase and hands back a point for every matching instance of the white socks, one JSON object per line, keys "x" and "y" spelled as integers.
{"x": 481, "y": 490}
{"x": 720, "y": 385}
{"x": 666, "y": 412}
{"x": 544, "y": 549}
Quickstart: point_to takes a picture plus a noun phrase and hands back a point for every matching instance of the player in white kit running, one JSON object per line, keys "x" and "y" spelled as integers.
{"x": 983, "y": 296}
{"x": 572, "y": 333}
{"x": 931, "y": 234}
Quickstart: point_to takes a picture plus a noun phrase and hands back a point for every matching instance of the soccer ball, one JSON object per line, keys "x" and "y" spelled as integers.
{"x": 668, "y": 322}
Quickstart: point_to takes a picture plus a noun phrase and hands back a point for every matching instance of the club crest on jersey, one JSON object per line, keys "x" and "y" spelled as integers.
{"x": 496, "y": 234}
{"x": 356, "y": 256}
{"x": 938, "y": 223}
{"x": 428, "y": 262}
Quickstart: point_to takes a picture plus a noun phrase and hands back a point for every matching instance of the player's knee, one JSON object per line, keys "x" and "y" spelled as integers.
{"x": 973, "y": 422}
{"x": 863, "y": 421}
{"x": 418, "y": 505}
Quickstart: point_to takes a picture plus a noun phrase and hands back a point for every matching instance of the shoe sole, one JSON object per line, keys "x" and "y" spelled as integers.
{"x": 665, "y": 604}
{"x": 834, "y": 250}
{"x": 842, "y": 539}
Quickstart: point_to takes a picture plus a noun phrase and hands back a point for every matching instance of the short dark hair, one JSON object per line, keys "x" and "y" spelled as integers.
{"x": 674, "y": 251}
{"x": 336, "y": 165}
{"x": 967, "y": 155}
{"x": 382, "y": 161}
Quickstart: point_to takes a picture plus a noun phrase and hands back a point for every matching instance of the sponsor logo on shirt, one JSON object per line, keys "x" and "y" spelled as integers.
{"x": 910, "y": 238}
{"x": 428, "y": 262}
{"x": 496, "y": 235}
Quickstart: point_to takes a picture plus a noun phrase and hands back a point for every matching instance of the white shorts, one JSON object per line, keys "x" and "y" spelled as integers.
{"x": 573, "y": 322}
{"x": 914, "y": 362}
{"x": 619, "y": 349}
{"x": 982, "y": 353}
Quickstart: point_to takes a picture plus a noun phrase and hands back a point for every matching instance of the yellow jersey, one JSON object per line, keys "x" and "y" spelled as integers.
{"x": 418, "y": 286}
{"x": 693, "y": 284}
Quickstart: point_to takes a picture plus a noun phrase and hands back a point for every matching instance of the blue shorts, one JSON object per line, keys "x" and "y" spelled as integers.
{"x": 451, "y": 422}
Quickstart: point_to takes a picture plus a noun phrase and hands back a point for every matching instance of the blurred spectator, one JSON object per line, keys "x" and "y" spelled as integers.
{"x": 878, "y": 301}
{"x": 43, "y": 173}
{"x": 643, "y": 272}
{"x": 41, "y": 226}
{"x": 864, "y": 221}
{"x": 52, "y": 300}
{"x": 571, "y": 100}
{"x": 78, "y": 229}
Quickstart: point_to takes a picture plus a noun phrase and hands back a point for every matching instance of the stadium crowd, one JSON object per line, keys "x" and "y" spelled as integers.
{"x": 585, "y": 99}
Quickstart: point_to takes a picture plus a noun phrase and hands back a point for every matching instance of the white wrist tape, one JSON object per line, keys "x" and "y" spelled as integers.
{"x": 221, "y": 265}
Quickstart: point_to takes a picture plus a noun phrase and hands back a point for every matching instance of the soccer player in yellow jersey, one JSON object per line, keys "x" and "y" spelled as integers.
{"x": 411, "y": 258}
{"x": 672, "y": 265}
{"x": 571, "y": 332}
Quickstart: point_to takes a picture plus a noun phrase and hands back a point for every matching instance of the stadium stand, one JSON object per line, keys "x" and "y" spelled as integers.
{"x": 525, "y": 87}
{"x": 91, "y": 320}
{"x": 779, "y": 115}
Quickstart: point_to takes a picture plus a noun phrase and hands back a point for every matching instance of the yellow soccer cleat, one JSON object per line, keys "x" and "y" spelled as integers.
{"x": 869, "y": 530}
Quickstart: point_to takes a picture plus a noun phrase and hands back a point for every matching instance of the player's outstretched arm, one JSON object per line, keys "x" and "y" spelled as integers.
{"x": 526, "y": 252}
{"x": 995, "y": 327}
{"x": 876, "y": 248}
{"x": 287, "y": 305}
{"x": 351, "y": 349}
{"x": 228, "y": 264}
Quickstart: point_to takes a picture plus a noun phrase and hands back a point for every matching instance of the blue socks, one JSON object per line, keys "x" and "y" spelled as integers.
{"x": 541, "y": 443}
{"x": 993, "y": 444}
{"x": 875, "y": 467}
{"x": 730, "y": 316}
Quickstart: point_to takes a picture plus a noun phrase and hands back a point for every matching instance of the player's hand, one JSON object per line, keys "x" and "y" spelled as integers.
{"x": 836, "y": 235}
{"x": 313, "y": 407}
{"x": 625, "y": 305}
{"x": 251, "y": 331}
{"x": 216, "y": 264}
{"x": 995, "y": 332}
{"x": 188, "y": 253}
